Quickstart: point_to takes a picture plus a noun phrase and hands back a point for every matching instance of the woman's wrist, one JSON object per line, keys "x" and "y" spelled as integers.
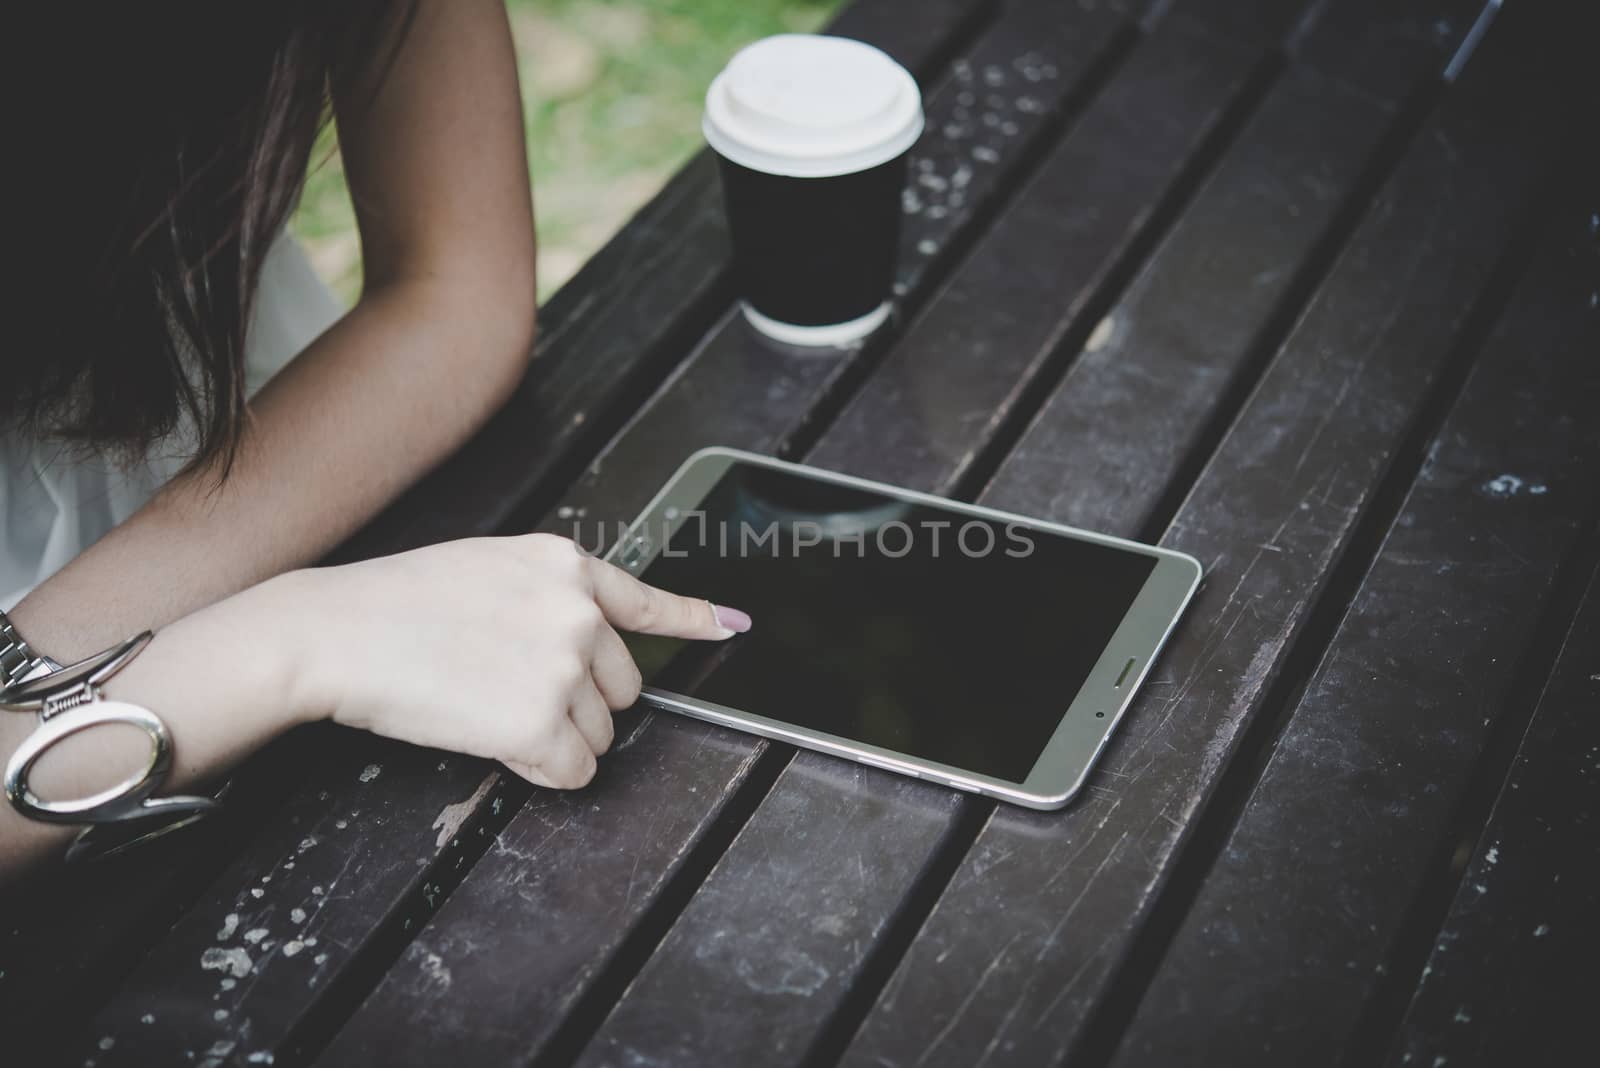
{"x": 278, "y": 621}
{"x": 241, "y": 659}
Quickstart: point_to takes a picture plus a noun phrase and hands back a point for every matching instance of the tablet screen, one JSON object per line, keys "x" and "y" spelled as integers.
{"x": 898, "y": 624}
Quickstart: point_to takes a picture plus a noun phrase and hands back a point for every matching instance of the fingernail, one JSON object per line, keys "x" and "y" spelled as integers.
{"x": 730, "y": 619}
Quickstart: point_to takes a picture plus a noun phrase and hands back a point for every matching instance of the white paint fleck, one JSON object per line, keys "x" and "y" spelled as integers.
{"x": 229, "y": 983}
{"x": 316, "y": 891}
{"x": 927, "y": 246}
{"x": 311, "y": 941}
{"x": 306, "y": 843}
{"x": 257, "y": 892}
{"x": 370, "y": 772}
{"x": 1101, "y": 335}
{"x": 230, "y": 924}
{"x": 147, "y": 1018}
{"x": 255, "y": 934}
{"x": 433, "y": 967}
{"x": 788, "y": 972}
{"x": 220, "y": 1015}
{"x": 260, "y": 1056}
{"x": 1541, "y": 930}
{"x": 1462, "y": 1015}
{"x": 292, "y": 947}
{"x": 107, "y": 1042}
{"x": 235, "y": 960}
{"x": 450, "y": 818}
{"x": 297, "y": 915}
{"x": 985, "y": 154}
{"x": 1503, "y": 486}
{"x": 341, "y": 824}
{"x": 320, "y": 958}
{"x": 1493, "y": 856}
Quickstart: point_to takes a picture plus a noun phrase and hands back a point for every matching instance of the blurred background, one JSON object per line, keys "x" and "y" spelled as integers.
{"x": 611, "y": 99}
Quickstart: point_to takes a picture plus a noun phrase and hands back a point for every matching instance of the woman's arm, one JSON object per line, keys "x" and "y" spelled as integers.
{"x": 442, "y": 332}
{"x": 505, "y": 648}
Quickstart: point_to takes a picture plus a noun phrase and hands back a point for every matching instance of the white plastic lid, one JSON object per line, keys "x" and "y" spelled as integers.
{"x": 808, "y": 106}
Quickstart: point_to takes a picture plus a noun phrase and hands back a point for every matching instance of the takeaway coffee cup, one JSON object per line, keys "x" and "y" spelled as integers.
{"x": 812, "y": 134}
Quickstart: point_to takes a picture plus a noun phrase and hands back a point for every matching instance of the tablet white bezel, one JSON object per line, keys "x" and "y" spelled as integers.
{"x": 1089, "y": 717}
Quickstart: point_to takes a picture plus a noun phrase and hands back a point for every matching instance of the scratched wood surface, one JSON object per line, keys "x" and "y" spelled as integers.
{"x": 1305, "y": 289}
{"x": 790, "y": 926}
{"x": 1400, "y": 712}
{"x": 1272, "y": 515}
{"x": 1504, "y": 979}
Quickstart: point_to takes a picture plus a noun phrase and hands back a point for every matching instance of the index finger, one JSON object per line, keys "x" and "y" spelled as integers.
{"x": 632, "y": 605}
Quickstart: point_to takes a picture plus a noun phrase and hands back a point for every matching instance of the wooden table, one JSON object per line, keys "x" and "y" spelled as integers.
{"x": 1305, "y": 289}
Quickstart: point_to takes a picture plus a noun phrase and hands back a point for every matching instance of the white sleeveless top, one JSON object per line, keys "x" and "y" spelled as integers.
{"x": 54, "y": 504}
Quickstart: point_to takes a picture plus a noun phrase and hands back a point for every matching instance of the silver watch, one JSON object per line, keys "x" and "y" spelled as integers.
{"x": 67, "y": 701}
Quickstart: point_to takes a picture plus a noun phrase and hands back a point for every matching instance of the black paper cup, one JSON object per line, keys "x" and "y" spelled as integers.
{"x": 812, "y": 134}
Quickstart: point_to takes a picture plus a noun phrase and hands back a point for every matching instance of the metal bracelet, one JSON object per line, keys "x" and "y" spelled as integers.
{"x": 18, "y": 661}
{"x": 69, "y": 701}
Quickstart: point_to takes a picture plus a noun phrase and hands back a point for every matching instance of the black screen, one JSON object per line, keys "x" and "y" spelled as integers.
{"x": 924, "y": 631}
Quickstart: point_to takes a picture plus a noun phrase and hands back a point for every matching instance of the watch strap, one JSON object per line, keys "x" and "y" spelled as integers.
{"x": 18, "y": 661}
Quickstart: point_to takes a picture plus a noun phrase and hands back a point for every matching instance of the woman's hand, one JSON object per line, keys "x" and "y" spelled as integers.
{"x": 505, "y": 648}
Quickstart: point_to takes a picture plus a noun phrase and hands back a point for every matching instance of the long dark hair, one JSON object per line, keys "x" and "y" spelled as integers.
{"x": 173, "y": 141}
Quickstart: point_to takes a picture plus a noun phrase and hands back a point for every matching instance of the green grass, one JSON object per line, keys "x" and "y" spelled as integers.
{"x": 612, "y": 94}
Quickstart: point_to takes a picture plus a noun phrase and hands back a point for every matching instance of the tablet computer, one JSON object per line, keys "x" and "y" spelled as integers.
{"x": 982, "y": 650}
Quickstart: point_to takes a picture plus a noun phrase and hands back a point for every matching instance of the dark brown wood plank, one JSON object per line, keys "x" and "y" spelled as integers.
{"x": 1505, "y": 982}
{"x": 615, "y": 330}
{"x": 1027, "y": 942}
{"x": 394, "y": 865}
{"x": 967, "y": 362}
{"x": 769, "y": 951}
{"x": 1297, "y": 925}
{"x": 663, "y": 790}
{"x": 67, "y": 943}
